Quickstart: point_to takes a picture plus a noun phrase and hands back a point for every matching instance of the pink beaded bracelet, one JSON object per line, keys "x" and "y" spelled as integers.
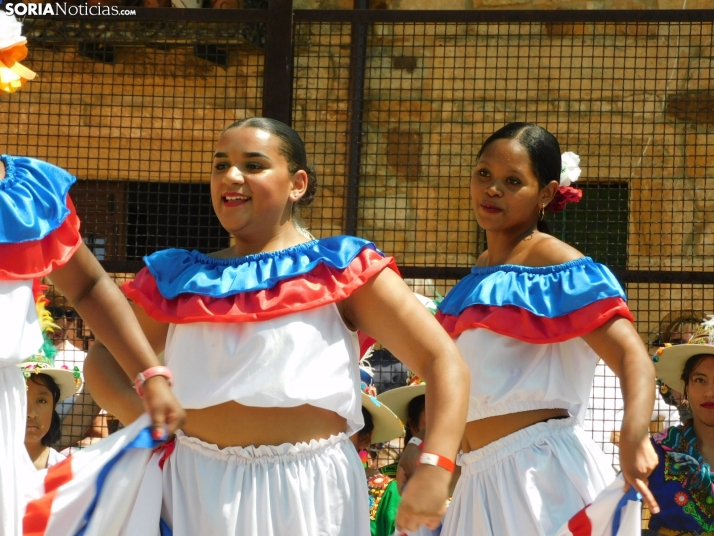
{"x": 150, "y": 373}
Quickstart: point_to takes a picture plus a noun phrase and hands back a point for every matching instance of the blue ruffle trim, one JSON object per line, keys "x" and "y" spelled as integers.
{"x": 178, "y": 271}
{"x": 549, "y": 291}
{"x": 33, "y": 198}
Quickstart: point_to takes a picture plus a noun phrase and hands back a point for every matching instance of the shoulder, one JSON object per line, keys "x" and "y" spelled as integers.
{"x": 538, "y": 251}
{"x": 549, "y": 251}
{"x": 227, "y": 253}
{"x": 482, "y": 259}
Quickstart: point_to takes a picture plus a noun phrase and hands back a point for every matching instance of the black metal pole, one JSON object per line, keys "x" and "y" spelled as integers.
{"x": 278, "y": 70}
{"x": 358, "y": 65}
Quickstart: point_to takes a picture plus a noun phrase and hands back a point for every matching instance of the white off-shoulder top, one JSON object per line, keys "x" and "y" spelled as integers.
{"x": 39, "y": 232}
{"x": 262, "y": 330}
{"x": 519, "y": 330}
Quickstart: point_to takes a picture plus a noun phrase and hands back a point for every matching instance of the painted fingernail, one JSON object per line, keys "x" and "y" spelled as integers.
{"x": 157, "y": 434}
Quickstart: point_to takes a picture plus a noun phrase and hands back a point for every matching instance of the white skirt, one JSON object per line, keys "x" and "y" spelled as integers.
{"x": 306, "y": 489}
{"x": 15, "y": 464}
{"x": 529, "y": 482}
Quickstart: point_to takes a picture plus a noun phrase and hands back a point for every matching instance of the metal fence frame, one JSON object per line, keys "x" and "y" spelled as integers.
{"x": 279, "y": 20}
{"x": 278, "y": 25}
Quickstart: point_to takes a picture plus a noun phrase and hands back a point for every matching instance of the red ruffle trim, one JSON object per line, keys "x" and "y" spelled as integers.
{"x": 37, "y": 258}
{"x": 523, "y": 325}
{"x": 321, "y": 286}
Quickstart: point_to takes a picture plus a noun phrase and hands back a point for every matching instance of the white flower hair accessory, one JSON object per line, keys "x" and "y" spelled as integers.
{"x": 569, "y": 168}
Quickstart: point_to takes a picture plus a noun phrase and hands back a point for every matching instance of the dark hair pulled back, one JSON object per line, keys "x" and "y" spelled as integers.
{"x": 54, "y": 434}
{"x": 368, "y": 427}
{"x": 291, "y": 147}
{"x": 543, "y": 152}
{"x": 414, "y": 409}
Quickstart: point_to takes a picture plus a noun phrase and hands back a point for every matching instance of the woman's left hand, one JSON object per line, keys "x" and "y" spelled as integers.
{"x": 408, "y": 462}
{"x": 638, "y": 459}
{"x": 424, "y": 499}
{"x": 620, "y": 347}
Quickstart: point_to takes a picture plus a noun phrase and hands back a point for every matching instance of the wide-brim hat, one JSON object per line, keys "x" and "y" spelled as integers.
{"x": 398, "y": 399}
{"x": 68, "y": 381}
{"x": 669, "y": 361}
{"x": 387, "y": 425}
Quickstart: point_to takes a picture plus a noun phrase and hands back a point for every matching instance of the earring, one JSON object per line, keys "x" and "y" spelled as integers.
{"x": 541, "y": 214}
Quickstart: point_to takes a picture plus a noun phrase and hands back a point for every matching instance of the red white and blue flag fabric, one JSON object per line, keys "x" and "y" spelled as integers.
{"x": 540, "y": 305}
{"x": 93, "y": 492}
{"x": 612, "y": 513}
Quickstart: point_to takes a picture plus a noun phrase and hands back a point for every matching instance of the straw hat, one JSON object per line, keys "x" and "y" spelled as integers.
{"x": 398, "y": 399}
{"x": 386, "y": 424}
{"x": 670, "y": 360}
{"x": 68, "y": 381}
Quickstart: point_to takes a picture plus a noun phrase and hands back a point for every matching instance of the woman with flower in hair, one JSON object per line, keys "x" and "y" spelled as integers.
{"x": 682, "y": 482}
{"x": 531, "y": 321}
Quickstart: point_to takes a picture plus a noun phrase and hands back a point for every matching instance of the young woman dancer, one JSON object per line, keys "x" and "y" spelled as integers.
{"x": 39, "y": 236}
{"x": 531, "y": 321}
{"x": 261, "y": 340}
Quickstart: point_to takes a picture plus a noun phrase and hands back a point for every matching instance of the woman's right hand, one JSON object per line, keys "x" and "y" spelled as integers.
{"x": 161, "y": 404}
{"x": 638, "y": 459}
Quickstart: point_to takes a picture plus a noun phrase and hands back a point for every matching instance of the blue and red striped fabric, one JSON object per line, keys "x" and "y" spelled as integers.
{"x": 39, "y": 228}
{"x": 180, "y": 287}
{"x": 92, "y": 492}
{"x": 537, "y": 305}
{"x": 614, "y": 512}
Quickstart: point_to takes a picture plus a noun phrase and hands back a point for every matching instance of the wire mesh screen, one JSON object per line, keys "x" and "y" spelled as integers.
{"x": 133, "y": 109}
{"x": 393, "y": 114}
{"x": 633, "y": 99}
{"x": 320, "y": 114}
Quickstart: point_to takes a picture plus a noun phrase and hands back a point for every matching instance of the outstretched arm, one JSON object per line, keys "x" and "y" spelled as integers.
{"x": 386, "y": 309}
{"x": 620, "y": 347}
{"x": 106, "y": 311}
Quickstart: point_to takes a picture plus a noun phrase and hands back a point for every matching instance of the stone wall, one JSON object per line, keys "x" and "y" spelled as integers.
{"x": 151, "y": 114}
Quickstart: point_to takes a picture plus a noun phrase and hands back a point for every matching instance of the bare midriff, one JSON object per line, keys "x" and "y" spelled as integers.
{"x": 482, "y": 432}
{"x": 234, "y": 425}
